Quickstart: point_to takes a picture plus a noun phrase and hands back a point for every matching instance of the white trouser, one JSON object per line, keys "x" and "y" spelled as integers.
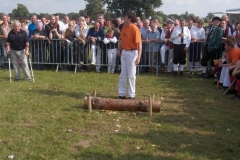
{"x": 96, "y": 55}
{"x": 164, "y": 48}
{"x": 128, "y": 71}
{"x": 223, "y": 74}
{"x": 112, "y": 56}
{"x": 14, "y": 56}
{"x": 226, "y": 81}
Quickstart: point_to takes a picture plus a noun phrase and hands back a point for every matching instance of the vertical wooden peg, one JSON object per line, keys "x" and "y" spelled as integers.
{"x": 150, "y": 106}
{"x": 89, "y": 104}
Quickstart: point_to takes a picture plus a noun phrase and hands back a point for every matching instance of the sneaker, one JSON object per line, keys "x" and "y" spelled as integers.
{"x": 29, "y": 80}
{"x": 98, "y": 71}
{"x": 121, "y": 97}
{"x": 81, "y": 63}
{"x": 93, "y": 62}
{"x": 131, "y": 98}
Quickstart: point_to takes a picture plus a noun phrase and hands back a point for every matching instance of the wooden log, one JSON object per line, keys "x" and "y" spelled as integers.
{"x": 122, "y": 104}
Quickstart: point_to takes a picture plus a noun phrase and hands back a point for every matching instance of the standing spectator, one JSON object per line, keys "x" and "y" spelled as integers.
{"x": 18, "y": 46}
{"x": 33, "y": 25}
{"x": 144, "y": 30}
{"x": 65, "y": 23}
{"x": 119, "y": 21}
{"x": 114, "y": 26}
{"x": 213, "y": 43}
{"x": 130, "y": 49}
{"x": 101, "y": 20}
{"x": 87, "y": 19}
{"x": 168, "y": 45}
{"x": 95, "y": 35}
{"x": 23, "y": 25}
{"x": 156, "y": 21}
{"x": 191, "y": 22}
{"x": 81, "y": 34}
{"x": 225, "y": 17}
{"x": 5, "y": 28}
{"x": 138, "y": 19}
{"x": 197, "y": 35}
{"x": 9, "y": 19}
{"x": 110, "y": 40}
{"x": 55, "y": 35}
{"x": 60, "y": 23}
{"x": 44, "y": 22}
{"x": 139, "y": 25}
{"x": 176, "y": 22}
{"x": 69, "y": 37}
{"x": 152, "y": 46}
{"x": 107, "y": 26}
{"x": 181, "y": 38}
{"x": 39, "y": 35}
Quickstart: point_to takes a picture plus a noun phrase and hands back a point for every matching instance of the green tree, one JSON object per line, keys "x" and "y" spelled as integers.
{"x": 210, "y": 15}
{"x": 20, "y": 11}
{"x": 93, "y": 8}
{"x": 139, "y": 7}
{"x": 73, "y": 15}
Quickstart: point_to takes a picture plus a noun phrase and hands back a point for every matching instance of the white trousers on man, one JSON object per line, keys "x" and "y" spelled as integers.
{"x": 224, "y": 77}
{"x": 21, "y": 55}
{"x": 164, "y": 48}
{"x": 112, "y": 56}
{"x": 128, "y": 72}
{"x": 96, "y": 56}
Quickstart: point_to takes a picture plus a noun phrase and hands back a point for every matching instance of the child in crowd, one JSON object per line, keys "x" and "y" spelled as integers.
{"x": 111, "y": 42}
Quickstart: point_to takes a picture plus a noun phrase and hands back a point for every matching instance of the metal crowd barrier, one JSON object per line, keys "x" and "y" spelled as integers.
{"x": 58, "y": 52}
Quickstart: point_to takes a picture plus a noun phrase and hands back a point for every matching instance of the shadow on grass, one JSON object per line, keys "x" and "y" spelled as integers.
{"x": 133, "y": 156}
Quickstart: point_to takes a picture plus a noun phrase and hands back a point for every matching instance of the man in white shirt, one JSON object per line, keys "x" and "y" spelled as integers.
{"x": 181, "y": 38}
{"x": 65, "y": 23}
{"x": 61, "y": 25}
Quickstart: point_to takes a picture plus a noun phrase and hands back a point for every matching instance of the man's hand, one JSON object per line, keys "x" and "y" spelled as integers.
{"x": 26, "y": 52}
{"x": 137, "y": 61}
{"x": 119, "y": 53}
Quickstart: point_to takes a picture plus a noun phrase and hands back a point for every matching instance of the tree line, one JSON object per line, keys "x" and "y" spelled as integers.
{"x": 114, "y": 9}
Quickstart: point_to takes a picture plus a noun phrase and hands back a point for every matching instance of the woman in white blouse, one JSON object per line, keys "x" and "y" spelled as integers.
{"x": 197, "y": 37}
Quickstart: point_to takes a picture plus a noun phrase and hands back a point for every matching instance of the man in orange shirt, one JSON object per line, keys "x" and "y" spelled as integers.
{"x": 233, "y": 55}
{"x": 130, "y": 50}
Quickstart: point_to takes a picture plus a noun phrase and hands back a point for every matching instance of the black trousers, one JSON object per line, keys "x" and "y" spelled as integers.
{"x": 210, "y": 55}
{"x": 179, "y": 54}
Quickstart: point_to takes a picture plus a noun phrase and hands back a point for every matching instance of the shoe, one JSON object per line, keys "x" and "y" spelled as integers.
{"x": 175, "y": 73}
{"x": 16, "y": 79}
{"x": 181, "y": 73}
{"x": 93, "y": 62}
{"x": 121, "y": 97}
{"x": 98, "y": 71}
{"x": 131, "y": 98}
{"x": 81, "y": 63}
{"x": 231, "y": 91}
{"x": 208, "y": 76}
{"x": 29, "y": 80}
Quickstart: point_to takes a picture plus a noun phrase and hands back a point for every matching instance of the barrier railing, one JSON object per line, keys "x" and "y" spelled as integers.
{"x": 156, "y": 56}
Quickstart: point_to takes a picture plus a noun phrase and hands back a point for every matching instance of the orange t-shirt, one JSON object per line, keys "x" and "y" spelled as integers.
{"x": 130, "y": 37}
{"x": 234, "y": 54}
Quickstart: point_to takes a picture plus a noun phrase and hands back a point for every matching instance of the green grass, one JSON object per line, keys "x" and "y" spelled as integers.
{"x": 46, "y": 119}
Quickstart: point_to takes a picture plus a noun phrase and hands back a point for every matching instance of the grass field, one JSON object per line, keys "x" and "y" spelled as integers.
{"x": 46, "y": 119}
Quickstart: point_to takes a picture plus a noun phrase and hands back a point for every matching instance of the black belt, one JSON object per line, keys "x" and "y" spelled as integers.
{"x": 130, "y": 49}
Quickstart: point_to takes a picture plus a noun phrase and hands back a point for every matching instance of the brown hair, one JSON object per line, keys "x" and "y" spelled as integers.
{"x": 229, "y": 43}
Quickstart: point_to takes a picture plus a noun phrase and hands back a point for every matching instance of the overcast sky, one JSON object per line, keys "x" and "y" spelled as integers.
{"x": 197, "y": 7}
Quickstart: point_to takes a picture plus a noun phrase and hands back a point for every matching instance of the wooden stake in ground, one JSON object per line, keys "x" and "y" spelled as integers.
{"x": 150, "y": 105}
{"x": 94, "y": 93}
{"x": 89, "y": 103}
{"x": 122, "y": 104}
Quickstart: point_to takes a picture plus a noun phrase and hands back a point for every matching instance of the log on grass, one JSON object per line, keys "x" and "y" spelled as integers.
{"x": 122, "y": 104}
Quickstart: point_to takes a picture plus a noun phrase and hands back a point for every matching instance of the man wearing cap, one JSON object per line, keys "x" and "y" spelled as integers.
{"x": 168, "y": 45}
{"x": 181, "y": 38}
{"x": 213, "y": 43}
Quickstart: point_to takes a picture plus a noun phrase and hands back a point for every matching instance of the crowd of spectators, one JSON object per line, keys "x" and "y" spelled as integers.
{"x": 76, "y": 42}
